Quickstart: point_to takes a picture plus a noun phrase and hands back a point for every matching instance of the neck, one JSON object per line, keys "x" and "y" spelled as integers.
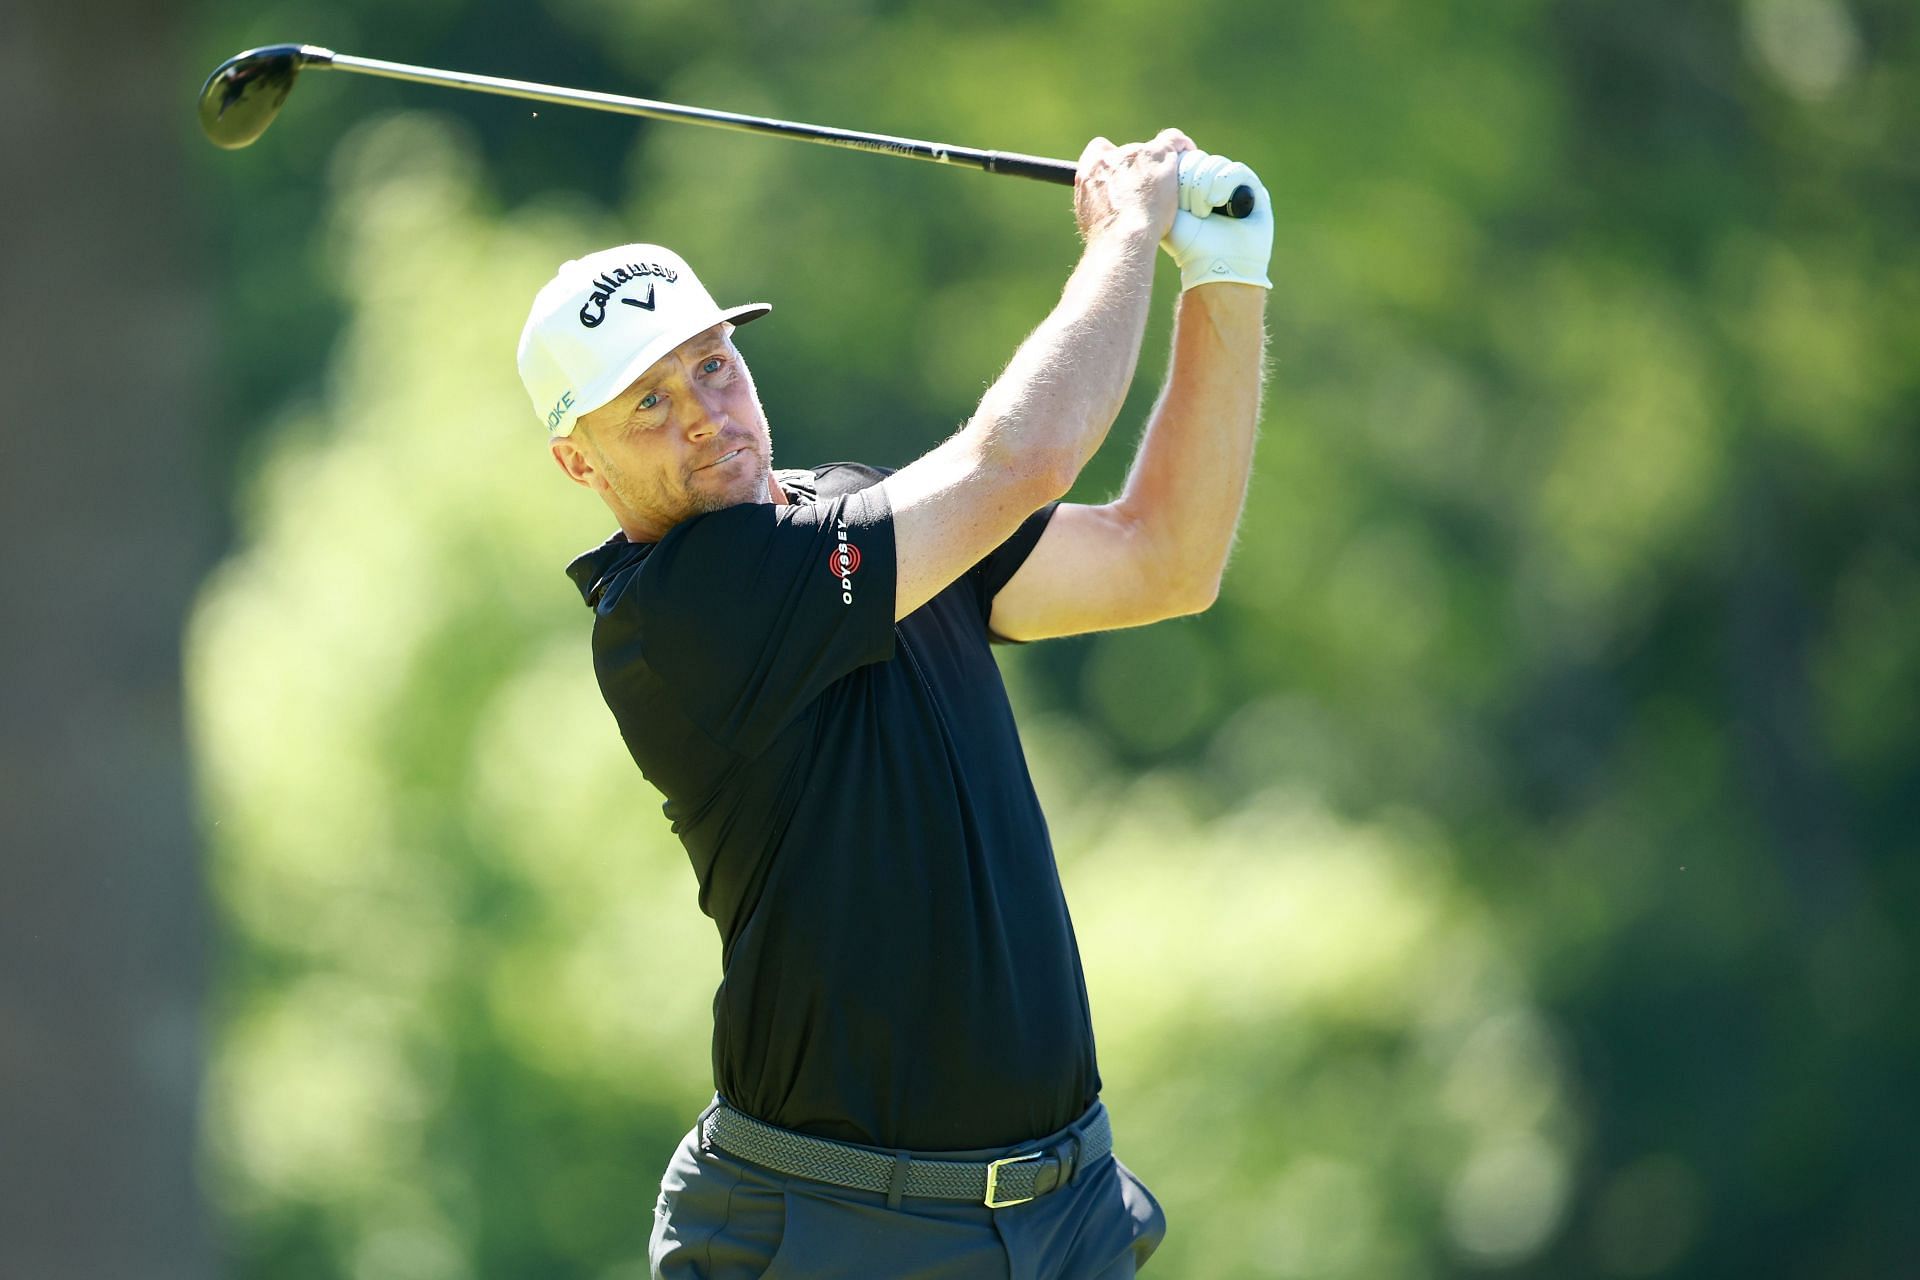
{"x": 638, "y": 531}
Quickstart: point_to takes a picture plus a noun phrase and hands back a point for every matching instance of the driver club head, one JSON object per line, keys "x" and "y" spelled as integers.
{"x": 245, "y": 93}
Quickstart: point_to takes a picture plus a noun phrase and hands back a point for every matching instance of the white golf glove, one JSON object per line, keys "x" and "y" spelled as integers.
{"x": 1211, "y": 248}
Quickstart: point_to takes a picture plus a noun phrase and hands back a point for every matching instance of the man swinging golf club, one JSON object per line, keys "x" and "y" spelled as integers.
{"x": 798, "y": 660}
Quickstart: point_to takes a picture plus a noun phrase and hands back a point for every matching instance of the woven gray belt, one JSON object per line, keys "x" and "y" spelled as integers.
{"x": 1012, "y": 1179}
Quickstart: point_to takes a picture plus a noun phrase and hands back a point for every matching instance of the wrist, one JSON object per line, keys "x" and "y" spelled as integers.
{"x": 1204, "y": 270}
{"x": 1129, "y": 229}
{"x": 1227, "y": 298}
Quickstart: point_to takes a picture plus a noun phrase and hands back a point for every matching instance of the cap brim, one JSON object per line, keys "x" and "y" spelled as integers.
{"x": 594, "y": 397}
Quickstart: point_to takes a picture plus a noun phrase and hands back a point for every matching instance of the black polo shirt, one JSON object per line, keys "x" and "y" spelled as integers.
{"x": 898, "y": 966}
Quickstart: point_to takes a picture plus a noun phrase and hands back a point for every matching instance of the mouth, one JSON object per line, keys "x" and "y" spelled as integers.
{"x": 723, "y": 459}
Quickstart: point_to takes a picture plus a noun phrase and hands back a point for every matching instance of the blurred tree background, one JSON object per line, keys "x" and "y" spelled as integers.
{"x": 1513, "y": 874}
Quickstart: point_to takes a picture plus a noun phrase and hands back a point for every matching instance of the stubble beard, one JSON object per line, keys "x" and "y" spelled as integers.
{"x": 703, "y": 502}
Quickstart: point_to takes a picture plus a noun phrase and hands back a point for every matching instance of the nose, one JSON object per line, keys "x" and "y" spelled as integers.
{"x": 707, "y": 416}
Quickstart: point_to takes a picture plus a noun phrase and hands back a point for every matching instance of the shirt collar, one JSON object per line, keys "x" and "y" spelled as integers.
{"x": 593, "y": 570}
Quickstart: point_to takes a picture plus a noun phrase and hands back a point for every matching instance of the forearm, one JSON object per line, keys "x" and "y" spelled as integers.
{"x": 1052, "y": 405}
{"x": 1188, "y": 482}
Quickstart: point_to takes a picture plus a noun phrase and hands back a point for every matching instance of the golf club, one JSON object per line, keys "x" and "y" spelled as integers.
{"x": 245, "y": 93}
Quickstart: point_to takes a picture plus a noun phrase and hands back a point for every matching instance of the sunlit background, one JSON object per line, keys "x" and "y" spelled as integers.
{"x": 1514, "y": 874}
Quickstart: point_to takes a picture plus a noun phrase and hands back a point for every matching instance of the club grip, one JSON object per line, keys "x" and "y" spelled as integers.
{"x": 1042, "y": 169}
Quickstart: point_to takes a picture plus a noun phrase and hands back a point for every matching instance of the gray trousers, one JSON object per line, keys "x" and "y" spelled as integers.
{"x": 720, "y": 1218}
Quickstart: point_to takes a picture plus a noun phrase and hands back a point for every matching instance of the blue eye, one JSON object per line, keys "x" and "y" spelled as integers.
{"x": 712, "y": 365}
{"x": 649, "y": 400}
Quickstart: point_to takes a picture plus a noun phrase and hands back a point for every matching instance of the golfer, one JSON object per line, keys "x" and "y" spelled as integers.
{"x": 903, "y": 1052}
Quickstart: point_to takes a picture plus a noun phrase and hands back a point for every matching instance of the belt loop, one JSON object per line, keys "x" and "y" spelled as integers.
{"x": 700, "y": 1125}
{"x": 1073, "y": 1177}
{"x": 897, "y": 1181}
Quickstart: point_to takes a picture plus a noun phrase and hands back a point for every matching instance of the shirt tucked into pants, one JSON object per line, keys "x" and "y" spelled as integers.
{"x": 721, "y": 1218}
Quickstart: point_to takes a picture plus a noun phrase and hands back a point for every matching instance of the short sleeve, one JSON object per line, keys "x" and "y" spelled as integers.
{"x": 1000, "y": 564}
{"x": 748, "y": 614}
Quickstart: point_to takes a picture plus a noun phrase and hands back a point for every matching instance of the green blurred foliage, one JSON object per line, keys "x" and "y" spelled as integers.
{"x": 1513, "y": 871}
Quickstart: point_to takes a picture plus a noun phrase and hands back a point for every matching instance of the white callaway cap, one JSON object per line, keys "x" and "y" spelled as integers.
{"x": 604, "y": 319}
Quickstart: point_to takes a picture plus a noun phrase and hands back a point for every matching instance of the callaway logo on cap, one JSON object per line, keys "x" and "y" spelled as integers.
{"x": 604, "y": 319}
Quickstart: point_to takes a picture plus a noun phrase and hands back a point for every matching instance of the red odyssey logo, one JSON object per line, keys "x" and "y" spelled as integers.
{"x": 844, "y": 560}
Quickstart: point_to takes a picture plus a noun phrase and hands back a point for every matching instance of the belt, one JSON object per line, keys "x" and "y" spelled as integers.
{"x": 1012, "y": 1179}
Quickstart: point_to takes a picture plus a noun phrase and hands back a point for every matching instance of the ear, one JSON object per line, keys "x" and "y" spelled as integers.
{"x": 573, "y": 460}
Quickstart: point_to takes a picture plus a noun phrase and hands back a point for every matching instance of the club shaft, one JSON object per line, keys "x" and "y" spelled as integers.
{"x": 1007, "y": 162}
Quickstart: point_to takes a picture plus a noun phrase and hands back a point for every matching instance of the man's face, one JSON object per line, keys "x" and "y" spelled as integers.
{"x": 687, "y": 437}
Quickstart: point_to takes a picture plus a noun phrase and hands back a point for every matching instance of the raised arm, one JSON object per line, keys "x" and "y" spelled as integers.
{"x": 1050, "y": 409}
{"x": 1159, "y": 549}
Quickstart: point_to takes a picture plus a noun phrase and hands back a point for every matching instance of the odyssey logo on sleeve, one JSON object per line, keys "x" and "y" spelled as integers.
{"x": 843, "y": 562}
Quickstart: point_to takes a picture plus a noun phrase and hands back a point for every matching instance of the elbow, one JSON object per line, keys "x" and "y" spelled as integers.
{"x": 1177, "y": 578}
{"x": 1058, "y": 474}
{"x": 1192, "y": 590}
{"x": 1196, "y": 594}
{"x": 1041, "y": 475}
{"x": 1037, "y": 472}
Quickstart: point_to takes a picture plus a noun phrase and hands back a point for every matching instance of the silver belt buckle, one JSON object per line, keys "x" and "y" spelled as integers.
{"x": 993, "y": 1179}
